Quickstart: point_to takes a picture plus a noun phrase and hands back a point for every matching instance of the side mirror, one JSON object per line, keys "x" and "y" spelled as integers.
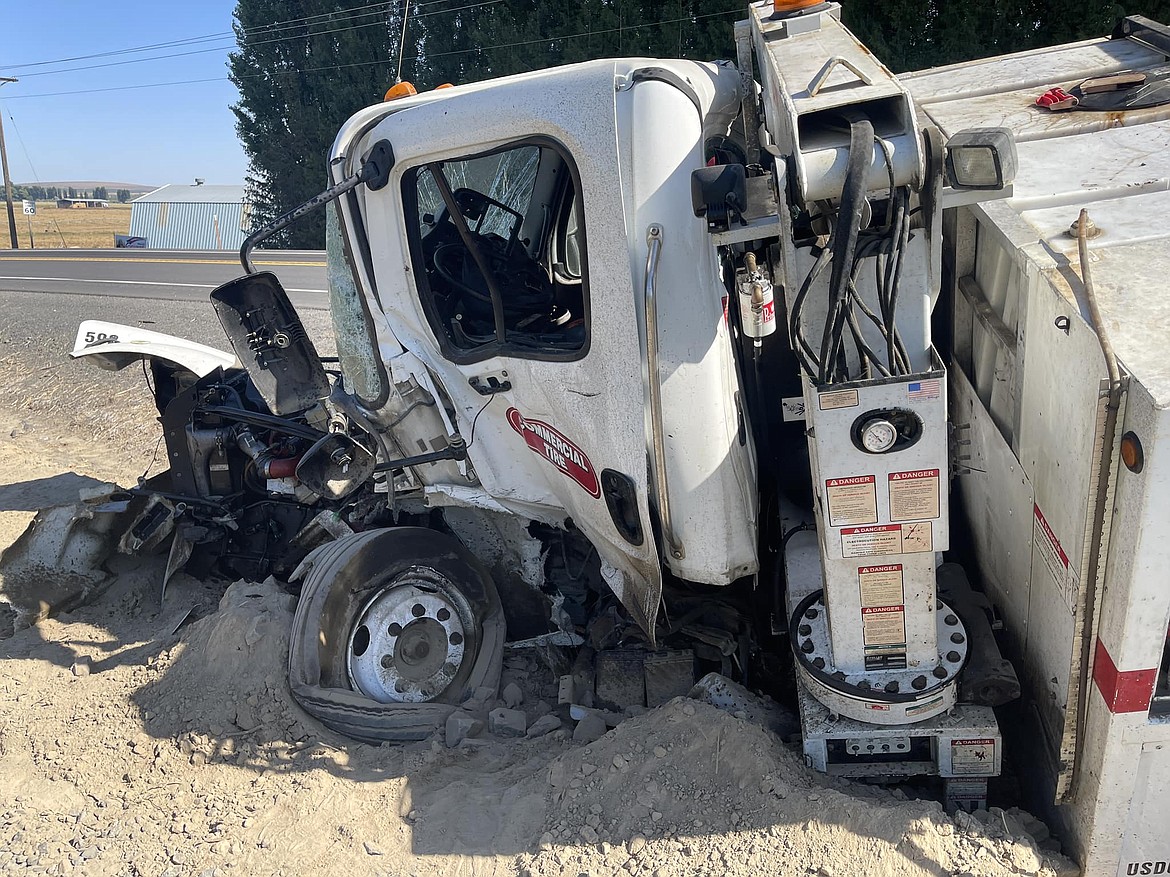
{"x": 271, "y": 343}
{"x": 335, "y": 466}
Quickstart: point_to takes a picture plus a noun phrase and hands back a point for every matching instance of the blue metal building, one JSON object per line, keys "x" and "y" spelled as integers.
{"x": 198, "y": 217}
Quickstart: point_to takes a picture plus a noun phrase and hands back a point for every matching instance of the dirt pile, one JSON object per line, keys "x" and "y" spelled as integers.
{"x": 687, "y": 789}
{"x": 127, "y": 749}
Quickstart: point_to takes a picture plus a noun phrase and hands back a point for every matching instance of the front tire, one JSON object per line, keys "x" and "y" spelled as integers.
{"x": 394, "y": 629}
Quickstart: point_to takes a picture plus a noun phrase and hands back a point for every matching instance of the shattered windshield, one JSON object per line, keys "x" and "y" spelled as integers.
{"x": 356, "y": 346}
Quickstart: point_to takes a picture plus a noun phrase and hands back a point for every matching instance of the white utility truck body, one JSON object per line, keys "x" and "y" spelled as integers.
{"x": 1028, "y": 393}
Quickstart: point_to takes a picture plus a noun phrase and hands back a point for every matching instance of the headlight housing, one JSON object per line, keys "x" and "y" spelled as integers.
{"x": 981, "y": 158}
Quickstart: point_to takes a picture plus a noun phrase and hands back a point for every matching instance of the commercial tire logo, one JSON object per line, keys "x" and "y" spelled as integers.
{"x": 550, "y": 443}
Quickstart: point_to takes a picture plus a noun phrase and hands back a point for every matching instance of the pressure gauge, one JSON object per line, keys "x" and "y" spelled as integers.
{"x": 878, "y": 435}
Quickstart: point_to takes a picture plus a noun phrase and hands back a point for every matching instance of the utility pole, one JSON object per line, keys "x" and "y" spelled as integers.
{"x": 7, "y": 179}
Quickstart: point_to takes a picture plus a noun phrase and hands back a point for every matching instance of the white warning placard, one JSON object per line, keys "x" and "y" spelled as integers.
{"x": 871, "y": 541}
{"x": 914, "y": 495}
{"x": 882, "y": 539}
{"x": 973, "y": 757}
{"x": 851, "y": 500}
{"x": 917, "y": 537}
{"x": 881, "y": 586}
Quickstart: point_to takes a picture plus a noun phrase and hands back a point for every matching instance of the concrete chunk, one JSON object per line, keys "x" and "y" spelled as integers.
{"x": 590, "y": 728}
{"x": 460, "y": 726}
{"x": 512, "y": 696}
{"x": 504, "y": 722}
{"x": 543, "y": 725}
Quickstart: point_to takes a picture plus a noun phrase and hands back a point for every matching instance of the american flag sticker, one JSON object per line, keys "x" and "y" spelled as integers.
{"x": 923, "y": 390}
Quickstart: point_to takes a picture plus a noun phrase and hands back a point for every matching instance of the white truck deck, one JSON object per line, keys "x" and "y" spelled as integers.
{"x": 1028, "y": 390}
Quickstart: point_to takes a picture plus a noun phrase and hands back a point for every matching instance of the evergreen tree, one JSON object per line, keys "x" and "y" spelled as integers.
{"x": 290, "y": 108}
{"x": 515, "y": 36}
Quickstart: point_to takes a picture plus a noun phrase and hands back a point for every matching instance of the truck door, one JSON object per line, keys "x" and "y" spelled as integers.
{"x": 501, "y": 261}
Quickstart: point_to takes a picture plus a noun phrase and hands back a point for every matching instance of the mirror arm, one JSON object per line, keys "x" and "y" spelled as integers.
{"x": 455, "y": 450}
{"x": 375, "y": 173}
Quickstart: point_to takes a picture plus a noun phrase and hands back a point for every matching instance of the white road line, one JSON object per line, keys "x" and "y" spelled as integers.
{"x": 136, "y": 282}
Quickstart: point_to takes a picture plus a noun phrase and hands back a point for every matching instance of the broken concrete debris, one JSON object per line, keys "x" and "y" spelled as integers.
{"x": 461, "y": 725}
{"x": 590, "y": 728}
{"x": 512, "y": 695}
{"x": 504, "y": 722}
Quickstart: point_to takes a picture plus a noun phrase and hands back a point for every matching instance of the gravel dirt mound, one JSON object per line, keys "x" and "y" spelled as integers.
{"x": 687, "y": 789}
{"x": 133, "y": 750}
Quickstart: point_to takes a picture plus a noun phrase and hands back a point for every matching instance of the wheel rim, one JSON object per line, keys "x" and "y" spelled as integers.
{"x": 409, "y": 642}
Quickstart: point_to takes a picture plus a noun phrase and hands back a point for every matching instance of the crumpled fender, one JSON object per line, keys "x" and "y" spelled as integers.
{"x": 112, "y": 346}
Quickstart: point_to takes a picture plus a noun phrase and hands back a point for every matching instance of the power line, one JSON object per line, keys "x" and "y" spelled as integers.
{"x": 36, "y": 176}
{"x": 276, "y": 25}
{"x": 549, "y": 39}
{"x": 262, "y": 42}
{"x": 320, "y": 33}
{"x": 584, "y": 33}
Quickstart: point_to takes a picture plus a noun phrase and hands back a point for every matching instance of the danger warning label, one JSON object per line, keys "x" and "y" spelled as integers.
{"x": 973, "y": 757}
{"x": 887, "y": 539}
{"x": 884, "y": 633}
{"x": 914, "y": 495}
{"x": 852, "y": 500}
{"x": 881, "y": 585}
{"x": 1055, "y": 559}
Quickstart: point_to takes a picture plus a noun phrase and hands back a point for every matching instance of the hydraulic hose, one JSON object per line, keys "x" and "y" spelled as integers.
{"x": 845, "y": 240}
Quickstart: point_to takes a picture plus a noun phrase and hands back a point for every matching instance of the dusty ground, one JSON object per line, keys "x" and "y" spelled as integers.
{"x": 54, "y": 228}
{"x": 137, "y": 741}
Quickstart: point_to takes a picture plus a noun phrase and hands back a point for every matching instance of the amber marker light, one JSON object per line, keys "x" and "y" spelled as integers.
{"x": 783, "y": 6}
{"x": 1131, "y": 452}
{"x": 400, "y": 89}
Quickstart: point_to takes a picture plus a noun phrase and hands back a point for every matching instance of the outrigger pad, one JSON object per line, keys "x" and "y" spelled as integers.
{"x": 271, "y": 343}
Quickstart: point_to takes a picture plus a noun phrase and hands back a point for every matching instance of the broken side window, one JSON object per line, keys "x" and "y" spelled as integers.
{"x": 498, "y": 247}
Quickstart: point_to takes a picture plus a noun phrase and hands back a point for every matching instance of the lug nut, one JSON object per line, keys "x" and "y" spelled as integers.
{"x": 807, "y": 646}
{"x": 953, "y": 657}
{"x": 919, "y": 683}
{"x": 804, "y": 629}
{"x": 951, "y": 620}
{"x": 892, "y": 686}
{"x": 957, "y": 638}
{"x": 939, "y": 672}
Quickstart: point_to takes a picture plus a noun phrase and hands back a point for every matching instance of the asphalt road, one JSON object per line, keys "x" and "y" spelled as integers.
{"x": 169, "y": 275}
{"x": 39, "y": 327}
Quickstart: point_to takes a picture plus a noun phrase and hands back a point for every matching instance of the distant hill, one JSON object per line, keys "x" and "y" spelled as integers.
{"x": 133, "y": 188}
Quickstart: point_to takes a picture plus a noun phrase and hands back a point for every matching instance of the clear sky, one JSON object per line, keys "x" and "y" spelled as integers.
{"x": 152, "y": 136}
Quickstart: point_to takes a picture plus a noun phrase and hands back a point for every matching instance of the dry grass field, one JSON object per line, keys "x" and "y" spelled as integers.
{"x": 55, "y": 228}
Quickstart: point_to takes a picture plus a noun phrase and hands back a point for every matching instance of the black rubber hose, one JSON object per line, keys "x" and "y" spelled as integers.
{"x": 845, "y": 237}
{"x": 803, "y": 350}
{"x": 892, "y": 292}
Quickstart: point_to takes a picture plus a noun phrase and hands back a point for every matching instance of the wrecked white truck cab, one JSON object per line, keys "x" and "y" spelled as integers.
{"x": 573, "y": 188}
